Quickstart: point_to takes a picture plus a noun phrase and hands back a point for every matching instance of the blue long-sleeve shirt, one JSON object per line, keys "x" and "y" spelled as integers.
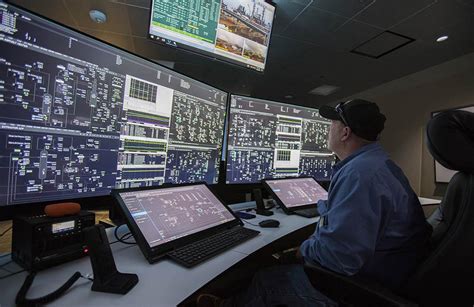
{"x": 372, "y": 223}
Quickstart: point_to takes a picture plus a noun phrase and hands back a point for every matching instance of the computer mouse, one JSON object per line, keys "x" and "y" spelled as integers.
{"x": 269, "y": 223}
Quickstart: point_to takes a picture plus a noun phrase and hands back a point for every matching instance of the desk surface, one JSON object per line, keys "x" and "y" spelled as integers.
{"x": 428, "y": 201}
{"x": 162, "y": 284}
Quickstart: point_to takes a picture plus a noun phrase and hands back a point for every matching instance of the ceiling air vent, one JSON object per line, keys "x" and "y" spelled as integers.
{"x": 382, "y": 44}
{"x": 324, "y": 90}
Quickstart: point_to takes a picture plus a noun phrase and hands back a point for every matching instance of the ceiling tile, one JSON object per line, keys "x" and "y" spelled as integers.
{"x": 346, "y": 8}
{"x": 469, "y": 3}
{"x": 285, "y": 12}
{"x": 314, "y": 26}
{"x": 122, "y": 41}
{"x": 350, "y": 35}
{"x": 444, "y": 18}
{"x": 54, "y": 10}
{"x": 344, "y": 38}
{"x": 139, "y": 21}
{"x": 134, "y": 3}
{"x": 387, "y": 13}
{"x": 420, "y": 55}
{"x": 151, "y": 50}
{"x": 284, "y": 52}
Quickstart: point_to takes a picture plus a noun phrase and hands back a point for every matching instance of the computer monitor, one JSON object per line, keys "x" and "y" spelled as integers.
{"x": 162, "y": 218}
{"x": 166, "y": 214}
{"x": 295, "y": 193}
{"x": 268, "y": 139}
{"x": 236, "y": 31}
{"x": 80, "y": 117}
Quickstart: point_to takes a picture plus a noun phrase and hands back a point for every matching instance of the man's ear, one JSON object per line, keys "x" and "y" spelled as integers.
{"x": 346, "y": 133}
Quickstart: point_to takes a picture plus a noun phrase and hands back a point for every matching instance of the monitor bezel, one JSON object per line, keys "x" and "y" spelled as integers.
{"x": 288, "y": 210}
{"x": 154, "y": 253}
{"x": 9, "y": 211}
{"x": 227, "y": 143}
{"x": 223, "y": 157}
{"x": 199, "y": 52}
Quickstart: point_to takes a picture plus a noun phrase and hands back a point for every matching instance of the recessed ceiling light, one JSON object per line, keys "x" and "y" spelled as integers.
{"x": 98, "y": 16}
{"x": 442, "y": 38}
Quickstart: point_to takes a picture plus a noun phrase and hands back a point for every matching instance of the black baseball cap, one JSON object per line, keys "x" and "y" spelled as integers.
{"x": 362, "y": 116}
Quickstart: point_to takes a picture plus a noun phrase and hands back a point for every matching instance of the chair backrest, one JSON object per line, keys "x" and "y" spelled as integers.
{"x": 446, "y": 277}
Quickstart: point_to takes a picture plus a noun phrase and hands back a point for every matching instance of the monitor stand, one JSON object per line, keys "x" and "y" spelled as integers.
{"x": 257, "y": 195}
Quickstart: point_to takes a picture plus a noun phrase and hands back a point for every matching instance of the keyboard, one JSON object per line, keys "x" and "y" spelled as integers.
{"x": 197, "y": 252}
{"x": 310, "y": 212}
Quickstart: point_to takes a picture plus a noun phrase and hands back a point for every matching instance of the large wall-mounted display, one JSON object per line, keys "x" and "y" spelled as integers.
{"x": 79, "y": 117}
{"x": 236, "y": 31}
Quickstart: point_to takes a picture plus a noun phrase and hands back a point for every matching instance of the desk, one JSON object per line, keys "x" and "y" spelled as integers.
{"x": 429, "y": 201}
{"x": 162, "y": 284}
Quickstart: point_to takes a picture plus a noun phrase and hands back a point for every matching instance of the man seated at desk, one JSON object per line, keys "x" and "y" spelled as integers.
{"x": 372, "y": 223}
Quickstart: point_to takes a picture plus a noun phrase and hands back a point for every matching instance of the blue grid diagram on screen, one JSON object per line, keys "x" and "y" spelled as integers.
{"x": 272, "y": 140}
{"x": 79, "y": 117}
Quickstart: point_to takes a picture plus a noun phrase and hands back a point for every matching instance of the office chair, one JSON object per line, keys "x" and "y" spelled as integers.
{"x": 446, "y": 276}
